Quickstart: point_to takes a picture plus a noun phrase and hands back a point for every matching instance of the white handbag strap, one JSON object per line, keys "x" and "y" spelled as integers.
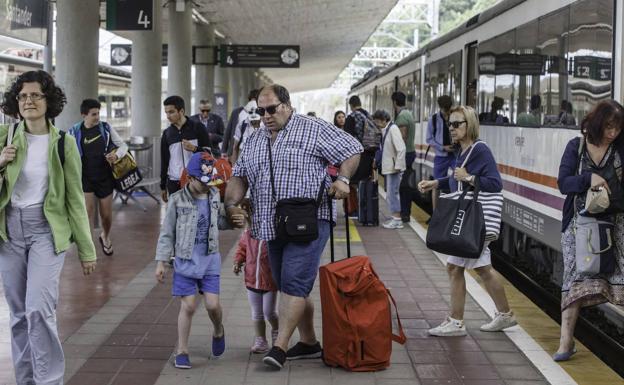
{"x": 459, "y": 185}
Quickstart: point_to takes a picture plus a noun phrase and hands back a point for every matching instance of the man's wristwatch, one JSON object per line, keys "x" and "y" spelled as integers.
{"x": 343, "y": 179}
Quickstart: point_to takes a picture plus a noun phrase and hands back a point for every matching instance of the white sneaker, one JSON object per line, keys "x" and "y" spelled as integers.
{"x": 393, "y": 224}
{"x": 451, "y": 327}
{"x": 501, "y": 321}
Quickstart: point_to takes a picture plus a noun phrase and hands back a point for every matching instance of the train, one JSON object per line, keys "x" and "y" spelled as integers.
{"x": 113, "y": 89}
{"x": 569, "y": 52}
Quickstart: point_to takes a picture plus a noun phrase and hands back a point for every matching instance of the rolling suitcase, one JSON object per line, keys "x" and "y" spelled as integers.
{"x": 357, "y": 319}
{"x": 368, "y": 200}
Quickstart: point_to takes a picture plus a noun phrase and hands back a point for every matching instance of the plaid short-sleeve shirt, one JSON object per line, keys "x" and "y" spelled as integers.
{"x": 301, "y": 153}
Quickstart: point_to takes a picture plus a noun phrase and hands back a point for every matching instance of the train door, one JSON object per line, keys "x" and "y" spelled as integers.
{"x": 472, "y": 75}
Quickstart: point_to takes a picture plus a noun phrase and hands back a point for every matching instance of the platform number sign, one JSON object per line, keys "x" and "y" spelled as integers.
{"x": 129, "y": 15}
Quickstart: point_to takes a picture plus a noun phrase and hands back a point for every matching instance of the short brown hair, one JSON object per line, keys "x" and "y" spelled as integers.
{"x": 472, "y": 120}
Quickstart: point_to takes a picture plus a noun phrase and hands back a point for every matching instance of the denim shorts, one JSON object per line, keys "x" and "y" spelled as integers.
{"x": 295, "y": 265}
{"x": 184, "y": 286}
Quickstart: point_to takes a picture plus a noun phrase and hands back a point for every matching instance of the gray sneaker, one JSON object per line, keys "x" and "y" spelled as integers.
{"x": 393, "y": 224}
{"x": 500, "y": 322}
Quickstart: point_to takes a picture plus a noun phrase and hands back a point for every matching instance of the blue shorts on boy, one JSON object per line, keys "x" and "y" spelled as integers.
{"x": 202, "y": 271}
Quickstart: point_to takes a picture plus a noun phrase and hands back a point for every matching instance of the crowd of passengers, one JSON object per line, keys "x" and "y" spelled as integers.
{"x": 51, "y": 183}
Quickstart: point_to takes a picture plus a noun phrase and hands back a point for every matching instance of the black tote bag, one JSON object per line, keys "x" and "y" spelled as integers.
{"x": 457, "y": 226}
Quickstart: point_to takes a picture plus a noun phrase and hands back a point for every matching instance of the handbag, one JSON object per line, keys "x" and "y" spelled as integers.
{"x": 457, "y": 226}
{"x": 595, "y": 249}
{"x": 296, "y": 219}
{"x": 593, "y": 235}
{"x": 125, "y": 172}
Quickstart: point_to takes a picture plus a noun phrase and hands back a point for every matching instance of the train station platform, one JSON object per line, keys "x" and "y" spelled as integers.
{"x": 118, "y": 326}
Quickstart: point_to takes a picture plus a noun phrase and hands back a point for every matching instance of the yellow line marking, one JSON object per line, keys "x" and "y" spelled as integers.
{"x": 353, "y": 234}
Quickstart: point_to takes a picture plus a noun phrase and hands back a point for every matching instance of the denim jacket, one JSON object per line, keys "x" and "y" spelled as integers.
{"x": 177, "y": 234}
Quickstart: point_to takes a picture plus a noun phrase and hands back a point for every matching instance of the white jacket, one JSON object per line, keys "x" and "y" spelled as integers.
{"x": 393, "y": 153}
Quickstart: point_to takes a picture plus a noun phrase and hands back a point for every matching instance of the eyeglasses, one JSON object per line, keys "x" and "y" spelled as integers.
{"x": 270, "y": 109}
{"x": 34, "y": 96}
{"x": 457, "y": 123}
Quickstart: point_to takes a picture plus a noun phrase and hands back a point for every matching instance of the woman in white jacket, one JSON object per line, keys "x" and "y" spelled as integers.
{"x": 392, "y": 164}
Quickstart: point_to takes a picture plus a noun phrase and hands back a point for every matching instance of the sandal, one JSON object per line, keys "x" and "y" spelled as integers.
{"x": 108, "y": 250}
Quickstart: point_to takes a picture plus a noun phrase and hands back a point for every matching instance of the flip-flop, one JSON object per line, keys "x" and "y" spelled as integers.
{"x": 108, "y": 250}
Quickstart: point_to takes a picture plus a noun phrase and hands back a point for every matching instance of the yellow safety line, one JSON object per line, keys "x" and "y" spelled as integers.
{"x": 353, "y": 234}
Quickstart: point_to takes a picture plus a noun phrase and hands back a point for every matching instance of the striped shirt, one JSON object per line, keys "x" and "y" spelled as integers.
{"x": 301, "y": 153}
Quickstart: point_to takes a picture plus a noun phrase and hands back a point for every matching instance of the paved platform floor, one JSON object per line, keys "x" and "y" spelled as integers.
{"x": 119, "y": 326}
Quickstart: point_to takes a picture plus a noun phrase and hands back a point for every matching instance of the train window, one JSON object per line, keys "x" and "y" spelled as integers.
{"x": 497, "y": 68}
{"x": 406, "y": 85}
{"x": 529, "y": 68}
{"x": 552, "y": 42}
{"x": 431, "y": 83}
{"x": 590, "y": 44}
{"x": 384, "y": 92}
{"x": 472, "y": 76}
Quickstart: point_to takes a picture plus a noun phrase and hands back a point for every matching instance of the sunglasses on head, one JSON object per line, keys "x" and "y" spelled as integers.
{"x": 457, "y": 123}
{"x": 270, "y": 109}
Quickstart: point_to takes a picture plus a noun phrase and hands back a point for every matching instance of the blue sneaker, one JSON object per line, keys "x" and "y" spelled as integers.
{"x": 218, "y": 345}
{"x": 182, "y": 361}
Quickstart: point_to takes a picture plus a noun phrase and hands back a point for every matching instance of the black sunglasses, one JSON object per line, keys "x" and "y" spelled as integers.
{"x": 457, "y": 123}
{"x": 270, "y": 109}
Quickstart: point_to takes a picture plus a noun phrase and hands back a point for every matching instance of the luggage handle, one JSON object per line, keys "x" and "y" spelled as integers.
{"x": 401, "y": 338}
{"x": 331, "y": 230}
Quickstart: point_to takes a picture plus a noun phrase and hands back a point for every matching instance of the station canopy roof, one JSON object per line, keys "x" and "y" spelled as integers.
{"x": 329, "y": 32}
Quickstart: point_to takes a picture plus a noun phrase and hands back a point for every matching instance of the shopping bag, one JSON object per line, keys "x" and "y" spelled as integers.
{"x": 125, "y": 172}
{"x": 457, "y": 226}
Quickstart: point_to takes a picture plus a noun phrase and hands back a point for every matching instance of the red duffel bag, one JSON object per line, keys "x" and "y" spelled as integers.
{"x": 357, "y": 319}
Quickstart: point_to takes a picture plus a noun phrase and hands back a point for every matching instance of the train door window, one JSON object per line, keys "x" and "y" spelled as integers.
{"x": 417, "y": 95}
{"x": 454, "y": 77}
{"x": 383, "y": 98}
{"x": 552, "y": 41}
{"x": 443, "y": 84}
{"x": 471, "y": 76}
{"x": 498, "y": 61}
{"x": 529, "y": 67}
{"x": 590, "y": 44}
{"x": 406, "y": 85}
{"x": 431, "y": 82}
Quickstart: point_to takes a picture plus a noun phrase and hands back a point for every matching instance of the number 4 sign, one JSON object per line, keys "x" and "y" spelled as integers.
{"x": 129, "y": 15}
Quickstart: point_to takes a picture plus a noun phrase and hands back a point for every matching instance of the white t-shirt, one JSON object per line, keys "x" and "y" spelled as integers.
{"x": 31, "y": 186}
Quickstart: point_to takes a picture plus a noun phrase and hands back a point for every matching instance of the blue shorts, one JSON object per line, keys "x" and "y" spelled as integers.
{"x": 441, "y": 165}
{"x": 294, "y": 265}
{"x": 185, "y": 286}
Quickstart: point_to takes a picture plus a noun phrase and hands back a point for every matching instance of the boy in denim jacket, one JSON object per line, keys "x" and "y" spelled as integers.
{"x": 190, "y": 233}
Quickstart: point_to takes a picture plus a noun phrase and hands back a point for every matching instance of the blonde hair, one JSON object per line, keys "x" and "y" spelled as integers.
{"x": 472, "y": 121}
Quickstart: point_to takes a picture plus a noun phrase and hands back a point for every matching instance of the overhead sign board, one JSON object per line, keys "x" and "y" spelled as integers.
{"x": 274, "y": 56}
{"x": 592, "y": 67}
{"x": 121, "y": 54}
{"x": 129, "y": 15}
{"x": 204, "y": 54}
{"x": 24, "y": 20}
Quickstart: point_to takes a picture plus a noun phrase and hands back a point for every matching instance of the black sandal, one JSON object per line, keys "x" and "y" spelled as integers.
{"x": 108, "y": 250}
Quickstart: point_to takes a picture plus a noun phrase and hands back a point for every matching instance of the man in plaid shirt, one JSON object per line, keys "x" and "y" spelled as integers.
{"x": 301, "y": 149}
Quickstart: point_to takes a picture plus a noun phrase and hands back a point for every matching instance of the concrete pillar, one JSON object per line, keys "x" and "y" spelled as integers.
{"x": 146, "y": 89}
{"x": 221, "y": 87}
{"x": 234, "y": 86}
{"x": 77, "y": 44}
{"x": 204, "y": 73}
{"x": 180, "y": 53}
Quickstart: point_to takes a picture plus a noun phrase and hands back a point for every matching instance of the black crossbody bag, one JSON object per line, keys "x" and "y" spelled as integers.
{"x": 296, "y": 219}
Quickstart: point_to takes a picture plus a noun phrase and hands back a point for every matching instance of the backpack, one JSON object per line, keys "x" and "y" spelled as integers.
{"x": 371, "y": 134}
